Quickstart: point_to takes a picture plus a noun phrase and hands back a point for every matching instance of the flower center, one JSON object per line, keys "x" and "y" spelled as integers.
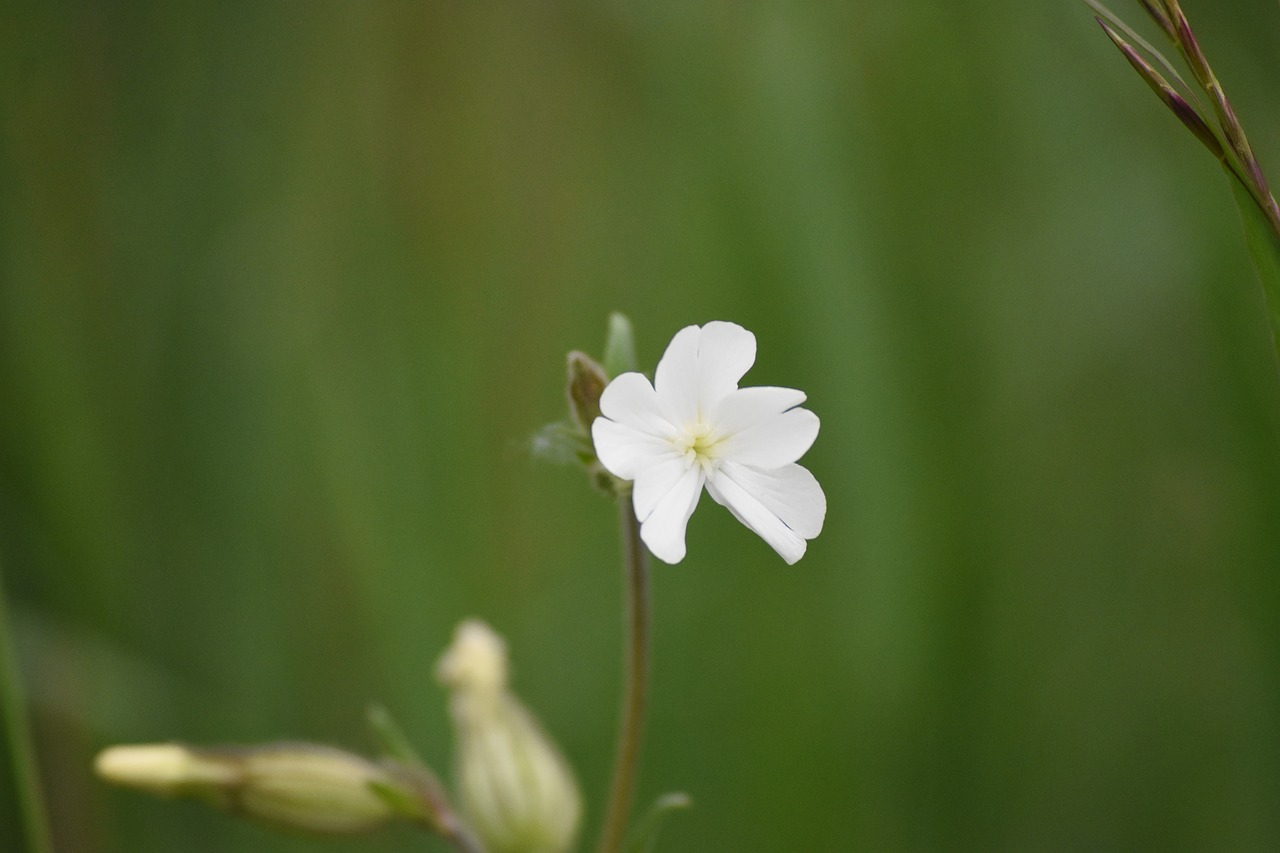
{"x": 697, "y": 443}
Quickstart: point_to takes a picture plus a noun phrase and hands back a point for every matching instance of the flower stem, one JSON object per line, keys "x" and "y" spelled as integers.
{"x": 631, "y": 727}
{"x": 461, "y": 839}
{"x": 22, "y": 765}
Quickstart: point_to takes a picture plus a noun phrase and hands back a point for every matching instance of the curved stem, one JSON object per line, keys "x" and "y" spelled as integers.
{"x": 631, "y": 727}
{"x": 25, "y": 779}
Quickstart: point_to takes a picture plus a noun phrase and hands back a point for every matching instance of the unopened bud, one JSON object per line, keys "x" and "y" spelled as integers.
{"x": 295, "y": 786}
{"x": 585, "y": 385}
{"x": 165, "y": 769}
{"x": 313, "y": 788}
{"x": 476, "y": 660}
{"x": 620, "y": 346}
{"x": 516, "y": 790}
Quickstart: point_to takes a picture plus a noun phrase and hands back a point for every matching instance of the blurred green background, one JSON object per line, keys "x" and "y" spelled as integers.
{"x": 285, "y": 288}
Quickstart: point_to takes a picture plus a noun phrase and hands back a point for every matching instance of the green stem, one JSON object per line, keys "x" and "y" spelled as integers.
{"x": 631, "y": 728}
{"x": 26, "y": 780}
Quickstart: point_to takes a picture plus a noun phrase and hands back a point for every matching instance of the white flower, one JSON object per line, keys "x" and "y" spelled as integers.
{"x": 694, "y": 426}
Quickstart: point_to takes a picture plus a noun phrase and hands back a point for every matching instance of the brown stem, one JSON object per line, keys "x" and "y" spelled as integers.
{"x": 631, "y": 727}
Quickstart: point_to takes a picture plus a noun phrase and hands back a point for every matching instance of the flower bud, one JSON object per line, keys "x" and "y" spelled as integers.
{"x": 165, "y": 769}
{"x": 514, "y": 787}
{"x": 620, "y": 347}
{"x": 585, "y": 385}
{"x": 293, "y": 786}
{"x": 313, "y": 788}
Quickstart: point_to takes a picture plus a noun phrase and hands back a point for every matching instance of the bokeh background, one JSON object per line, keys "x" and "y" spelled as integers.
{"x": 285, "y": 288}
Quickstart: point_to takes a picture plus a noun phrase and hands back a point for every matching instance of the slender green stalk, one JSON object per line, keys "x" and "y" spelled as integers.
{"x": 22, "y": 764}
{"x": 631, "y": 728}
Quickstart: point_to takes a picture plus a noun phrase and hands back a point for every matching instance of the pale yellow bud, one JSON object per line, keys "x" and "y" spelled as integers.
{"x": 295, "y": 786}
{"x": 313, "y": 788}
{"x": 167, "y": 769}
{"x": 516, "y": 790}
{"x": 476, "y": 661}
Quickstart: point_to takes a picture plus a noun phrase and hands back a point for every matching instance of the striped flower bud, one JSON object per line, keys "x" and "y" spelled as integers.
{"x": 290, "y": 785}
{"x": 515, "y": 789}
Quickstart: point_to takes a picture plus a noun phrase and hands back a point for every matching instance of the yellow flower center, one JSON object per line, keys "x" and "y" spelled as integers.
{"x": 698, "y": 444}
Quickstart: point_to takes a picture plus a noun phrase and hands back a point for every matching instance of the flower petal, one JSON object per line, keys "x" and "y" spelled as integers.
{"x": 676, "y": 378}
{"x": 663, "y": 531}
{"x": 627, "y": 452}
{"x": 658, "y": 477}
{"x": 746, "y": 407}
{"x": 726, "y": 351}
{"x": 791, "y": 492}
{"x": 772, "y": 441}
{"x": 784, "y": 506}
{"x": 700, "y": 366}
{"x": 631, "y": 401}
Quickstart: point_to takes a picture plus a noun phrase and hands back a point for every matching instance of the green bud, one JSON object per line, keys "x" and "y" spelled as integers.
{"x": 300, "y": 786}
{"x": 516, "y": 790}
{"x": 586, "y": 383}
{"x": 620, "y": 346}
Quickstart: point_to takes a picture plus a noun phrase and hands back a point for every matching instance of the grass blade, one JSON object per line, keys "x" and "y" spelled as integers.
{"x": 22, "y": 770}
{"x": 1264, "y": 248}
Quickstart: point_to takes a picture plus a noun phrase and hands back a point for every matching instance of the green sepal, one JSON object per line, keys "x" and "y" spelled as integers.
{"x": 403, "y": 803}
{"x": 392, "y": 737}
{"x": 419, "y": 796}
{"x": 645, "y": 835}
{"x": 562, "y": 442}
{"x": 620, "y": 346}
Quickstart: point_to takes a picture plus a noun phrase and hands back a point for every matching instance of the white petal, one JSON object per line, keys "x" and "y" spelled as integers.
{"x": 725, "y": 352}
{"x": 747, "y": 407}
{"x": 663, "y": 530}
{"x": 626, "y": 452}
{"x": 701, "y": 366}
{"x": 773, "y": 441}
{"x": 789, "y": 492}
{"x": 676, "y": 378}
{"x": 763, "y": 499}
{"x": 631, "y": 401}
{"x": 656, "y": 480}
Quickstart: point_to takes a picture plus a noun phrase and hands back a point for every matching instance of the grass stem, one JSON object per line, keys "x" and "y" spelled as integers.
{"x": 17, "y": 733}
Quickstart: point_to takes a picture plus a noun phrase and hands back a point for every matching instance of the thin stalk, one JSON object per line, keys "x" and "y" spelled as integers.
{"x": 440, "y": 815}
{"x": 635, "y": 697}
{"x": 17, "y": 733}
{"x": 463, "y": 841}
